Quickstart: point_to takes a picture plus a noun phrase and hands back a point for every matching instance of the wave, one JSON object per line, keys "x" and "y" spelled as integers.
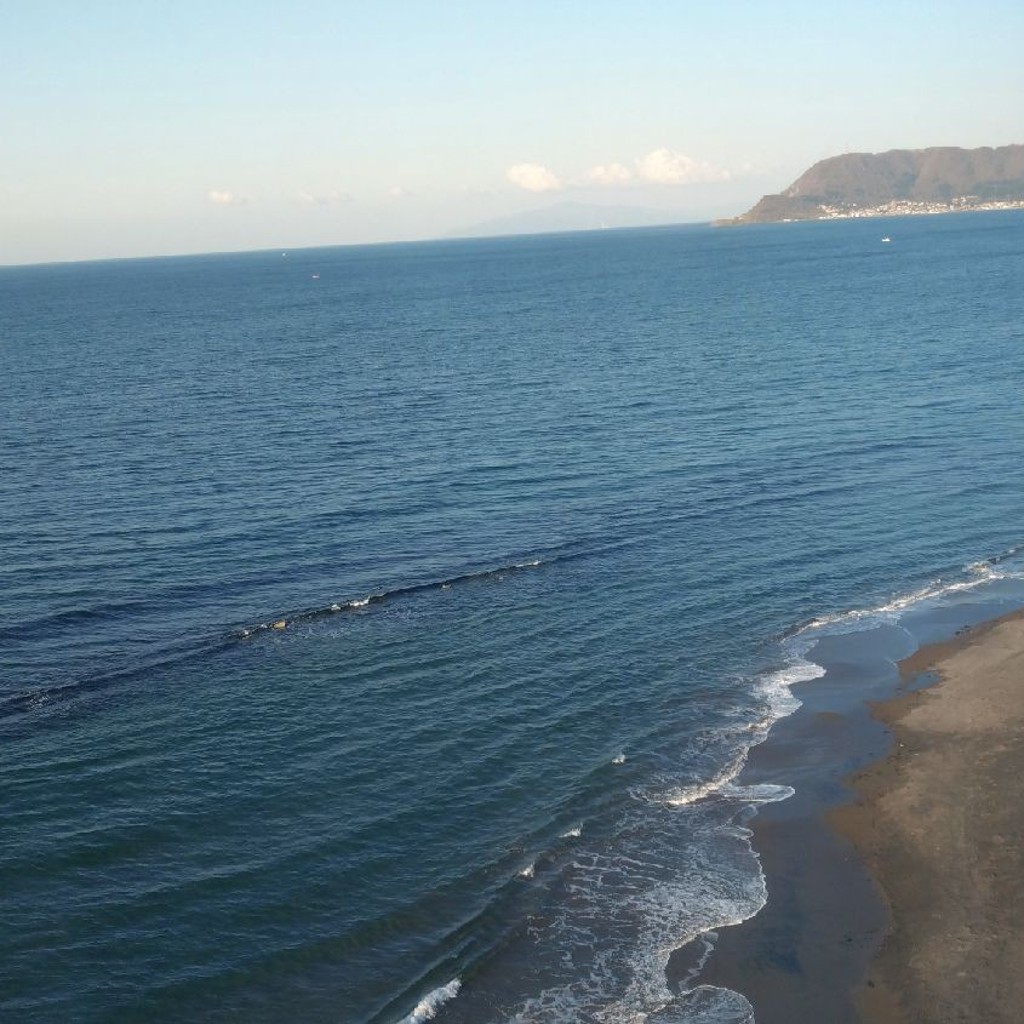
{"x": 723, "y": 782}
{"x": 776, "y": 688}
{"x": 183, "y": 647}
{"x": 426, "y": 1009}
{"x": 709, "y": 796}
{"x": 627, "y": 908}
{"x": 497, "y": 574}
{"x": 723, "y": 786}
{"x": 972, "y": 576}
{"x": 705, "y": 1004}
{"x": 679, "y": 868}
{"x": 684, "y": 795}
{"x": 550, "y": 854}
{"x": 680, "y": 865}
{"x": 44, "y": 696}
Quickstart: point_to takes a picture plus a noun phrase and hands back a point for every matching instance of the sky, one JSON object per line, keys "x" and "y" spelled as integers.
{"x": 148, "y": 128}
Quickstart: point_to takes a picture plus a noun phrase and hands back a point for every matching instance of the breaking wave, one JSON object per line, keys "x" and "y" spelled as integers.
{"x": 358, "y": 603}
{"x": 426, "y": 1009}
{"x": 972, "y": 576}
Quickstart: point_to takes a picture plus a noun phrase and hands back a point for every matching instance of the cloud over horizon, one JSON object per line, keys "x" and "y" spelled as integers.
{"x": 225, "y": 197}
{"x": 533, "y": 177}
{"x": 669, "y": 167}
{"x": 662, "y": 166}
{"x": 610, "y": 174}
{"x": 324, "y": 198}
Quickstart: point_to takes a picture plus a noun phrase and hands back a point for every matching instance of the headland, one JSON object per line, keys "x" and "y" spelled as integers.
{"x": 900, "y": 182}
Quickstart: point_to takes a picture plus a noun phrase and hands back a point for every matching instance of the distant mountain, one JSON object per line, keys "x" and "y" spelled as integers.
{"x": 900, "y": 181}
{"x": 569, "y": 217}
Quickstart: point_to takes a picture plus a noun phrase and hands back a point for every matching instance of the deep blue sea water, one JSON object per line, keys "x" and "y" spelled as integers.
{"x": 547, "y": 527}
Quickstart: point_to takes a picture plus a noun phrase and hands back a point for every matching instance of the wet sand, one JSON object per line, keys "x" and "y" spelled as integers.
{"x": 940, "y": 824}
{"x": 895, "y": 873}
{"x": 804, "y": 956}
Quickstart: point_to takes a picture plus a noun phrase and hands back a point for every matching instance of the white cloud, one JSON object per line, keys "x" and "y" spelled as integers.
{"x": 400, "y": 192}
{"x": 609, "y": 174}
{"x": 667, "y": 167}
{"x": 533, "y": 177}
{"x": 324, "y": 198}
{"x": 223, "y": 197}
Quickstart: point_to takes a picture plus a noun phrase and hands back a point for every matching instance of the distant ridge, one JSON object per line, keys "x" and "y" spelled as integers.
{"x": 902, "y": 181}
{"x": 569, "y": 217}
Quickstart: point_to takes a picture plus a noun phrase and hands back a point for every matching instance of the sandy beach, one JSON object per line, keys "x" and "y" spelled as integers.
{"x": 894, "y": 871}
{"x": 939, "y": 825}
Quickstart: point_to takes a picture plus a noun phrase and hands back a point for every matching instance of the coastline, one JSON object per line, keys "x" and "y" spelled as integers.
{"x": 892, "y": 209}
{"x": 893, "y": 871}
{"x": 805, "y": 954}
{"x": 938, "y": 824}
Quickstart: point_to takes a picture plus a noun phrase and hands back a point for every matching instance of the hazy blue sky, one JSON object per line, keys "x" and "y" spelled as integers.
{"x": 145, "y": 128}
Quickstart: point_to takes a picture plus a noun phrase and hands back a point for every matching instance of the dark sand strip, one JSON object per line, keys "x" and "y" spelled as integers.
{"x": 804, "y": 956}
{"x": 940, "y": 823}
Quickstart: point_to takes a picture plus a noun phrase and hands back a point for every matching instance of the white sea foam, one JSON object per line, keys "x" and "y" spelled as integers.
{"x": 723, "y": 785}
{"x": 574, "y": 833}
{"x": 619, "y": 759}
{"x": 663, "y": 908}
{"x": 682, "y": 865}
{"x": 670, "y": 879}
{"x": 706, "y": 1004}
{"x": 977, "y": 575}
{"x": 776, "y": 688}
{"x": 762, "y": 793}
{"x": 496, "y": 574}
{"x": 528, "y": 871}
{"x": 426, "y": 1009}
{"x": 631, "y": 910}
{"x": 684, "y": 795}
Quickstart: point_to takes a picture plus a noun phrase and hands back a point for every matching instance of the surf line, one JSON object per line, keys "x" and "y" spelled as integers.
{"x": 970, "y": 577}
{"x": 357, "y": 604}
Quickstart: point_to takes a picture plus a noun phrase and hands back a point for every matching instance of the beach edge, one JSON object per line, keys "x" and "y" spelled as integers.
{"x": 936, "y": 824}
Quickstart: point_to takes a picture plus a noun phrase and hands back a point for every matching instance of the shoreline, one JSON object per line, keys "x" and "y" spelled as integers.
{"x": 937, "y": 823}
{"x": 803, "y": 956}
{"x": 892, "y": 872}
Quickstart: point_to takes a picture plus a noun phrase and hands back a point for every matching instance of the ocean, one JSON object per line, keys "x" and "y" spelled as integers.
{"x": 385, "y": 629}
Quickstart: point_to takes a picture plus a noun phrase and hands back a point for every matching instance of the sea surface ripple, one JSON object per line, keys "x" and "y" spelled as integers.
{"x": 384, "y": 628}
